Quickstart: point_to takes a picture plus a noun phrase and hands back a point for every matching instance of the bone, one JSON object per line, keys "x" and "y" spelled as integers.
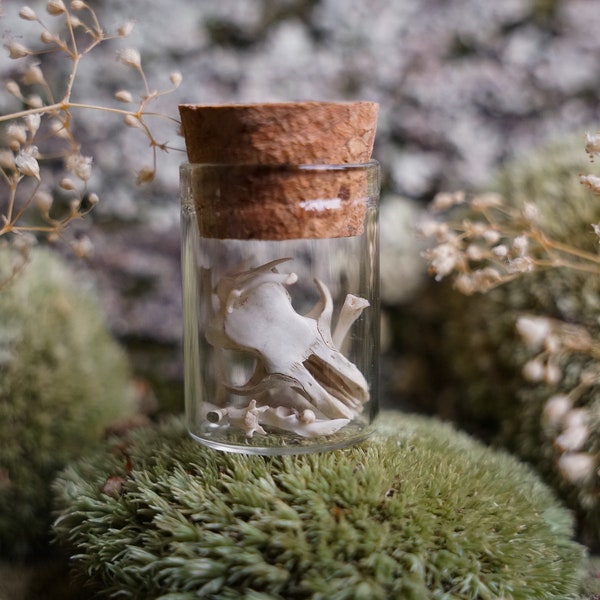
{"x": 298, "y": 367}
{"x": 351, "y": 310}
{"x": 252, "y": 417}
{"x": 288, "y": 419}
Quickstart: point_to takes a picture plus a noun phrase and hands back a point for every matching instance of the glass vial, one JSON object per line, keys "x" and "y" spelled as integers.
{"x": 281, "y": 305}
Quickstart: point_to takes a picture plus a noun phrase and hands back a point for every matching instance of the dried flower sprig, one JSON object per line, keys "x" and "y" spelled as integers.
{"x": 42, "y": 131}
{"x": 495, "y": 242}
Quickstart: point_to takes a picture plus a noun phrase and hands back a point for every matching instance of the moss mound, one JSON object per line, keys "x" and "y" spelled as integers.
{"x": 62, "y": 379}
{"x": 419, "y": 511}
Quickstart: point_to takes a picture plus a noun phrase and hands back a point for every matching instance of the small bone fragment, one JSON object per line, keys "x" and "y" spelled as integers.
{"x": 248, "y": 418}
{"x": 288, "y": 419}
{"x": 351, "y": 310}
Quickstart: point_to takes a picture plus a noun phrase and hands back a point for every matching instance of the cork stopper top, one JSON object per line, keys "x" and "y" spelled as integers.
{"x": 256, "y": 170}
{"x": 298, "y": 133}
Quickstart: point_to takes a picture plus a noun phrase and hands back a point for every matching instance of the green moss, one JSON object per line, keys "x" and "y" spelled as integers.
{"x": 62, "y": 379}
{"x": 418, "y": 511}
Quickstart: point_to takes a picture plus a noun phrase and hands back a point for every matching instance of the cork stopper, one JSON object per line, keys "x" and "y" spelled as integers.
{"x": 269, "y": 177}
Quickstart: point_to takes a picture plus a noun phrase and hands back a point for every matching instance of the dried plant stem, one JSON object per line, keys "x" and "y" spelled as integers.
{"x": 28, "y": 145}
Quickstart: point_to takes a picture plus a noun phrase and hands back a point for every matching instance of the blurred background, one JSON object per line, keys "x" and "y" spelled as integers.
{"x": 463, "y": 86}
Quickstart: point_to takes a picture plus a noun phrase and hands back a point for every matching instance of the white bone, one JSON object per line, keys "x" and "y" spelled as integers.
{"x": 299, "y": 368}
{"x": 287, "y": 419}
{"x": 351, "y": 310}
{"x": 251, "y": 418}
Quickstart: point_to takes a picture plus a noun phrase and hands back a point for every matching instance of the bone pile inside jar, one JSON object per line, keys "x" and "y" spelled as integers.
{"x": 302, "y": 383}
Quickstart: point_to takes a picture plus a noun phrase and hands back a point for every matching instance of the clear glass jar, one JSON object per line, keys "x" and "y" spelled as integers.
{"x": 281, "y": 305}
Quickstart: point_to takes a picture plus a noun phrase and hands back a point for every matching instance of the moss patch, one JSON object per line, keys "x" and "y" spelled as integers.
{"x": 62, "y": 380}
{"x": 419, "y": 511}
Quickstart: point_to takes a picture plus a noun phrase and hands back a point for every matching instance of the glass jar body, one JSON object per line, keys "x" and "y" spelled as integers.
{"x": 281, "y": 305}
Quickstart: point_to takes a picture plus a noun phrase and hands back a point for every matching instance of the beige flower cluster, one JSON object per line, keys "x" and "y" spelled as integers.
{"x": 43, "y": 132}
{"x": 492, "y": 245}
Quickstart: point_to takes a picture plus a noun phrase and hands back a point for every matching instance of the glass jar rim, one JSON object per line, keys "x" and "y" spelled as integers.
{"x": 285, "y": 166}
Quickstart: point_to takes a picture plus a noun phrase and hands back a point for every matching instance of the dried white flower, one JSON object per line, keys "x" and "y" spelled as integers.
{"x": 66, "y": 184}
{"x": 474, "y": 228}
{"x": 553, "y": 374}
{"x": 16, "y": 135}
{"x": 28, "y": 14}
{"x": 126, "y": 29}
{"x": 130, "y": 57}
{"x": 27, "y": 163}
{"x": 552, "y": 343}
{"x": 491, "y": 236}
{"x": 501, "y": 251}
{"x": 522, "y": 264}
{"x": 577, "y": 466}
{"x": 58, "y": 129}
{"x": 443, "y": 258}
{"x": 533, "y": 330}
{"x": 520, "y": 245}
{"x": 555, "y": 410}
{"x": 7, "y": 159}
{"x": 24, "y": 242}
{"x": 592, "y": 182}
{"x": 531, "y": 212}
{"x": 475, "y": 252}
{"x": 34, "y": 101}
{"x": 80, "y": 165}
{"x": 32, "y": 122}
{"x": 33, "y": 75}
{"x": 56, "y": 7}
{"x": 12, "y": 87}
{"x": 592, "y": 146}
{"x": 77, "y": 5}
{"x": 534, "y": 370}
{"x": 572, "y": 439}
{"x": 16, "y": 50}
{"x": 131, "y": 120}
{"x": 124, "y": 96}
{"x": 176, "y": 78}
{"x": 464, "y": 284}
{"x": 432, "y": 228}
{"x": 577, "y": 417}
{"x": 48, "y": 38}
{"x": 486, "y": 279}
